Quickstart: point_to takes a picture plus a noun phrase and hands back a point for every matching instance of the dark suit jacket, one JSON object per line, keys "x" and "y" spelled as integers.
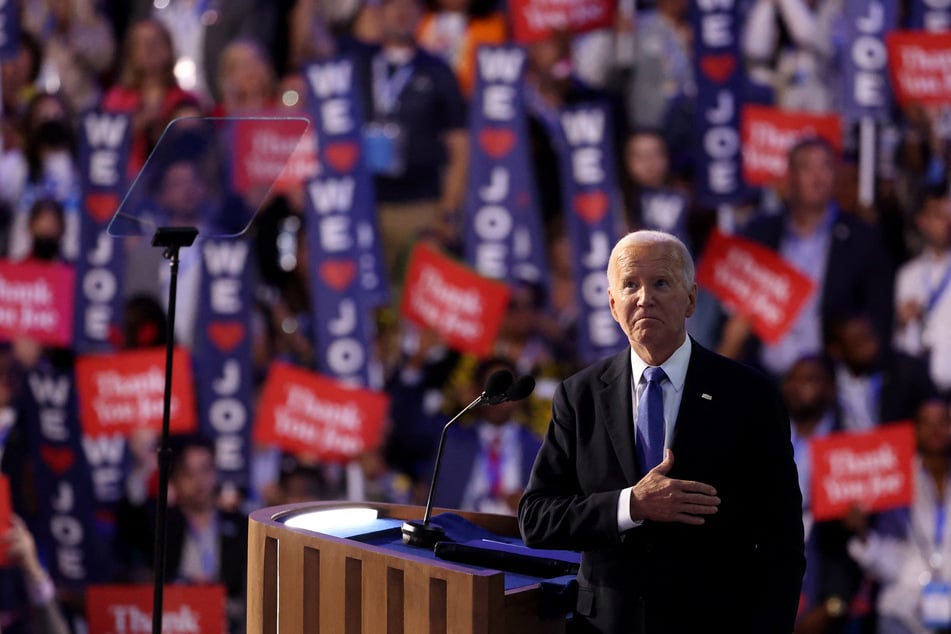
{"x": 858, "y": 275}
{"x": 739, "y": 572}
{"x": 906, "y": 384}
{"x": 232, "y": 548}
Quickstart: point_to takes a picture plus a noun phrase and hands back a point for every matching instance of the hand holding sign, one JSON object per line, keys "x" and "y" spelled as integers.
{"x": 755, "y": 282}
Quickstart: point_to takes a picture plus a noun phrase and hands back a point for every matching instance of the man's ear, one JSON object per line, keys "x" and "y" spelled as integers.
{"x": 692, "y": 300}
{"x": 611, "y": 305}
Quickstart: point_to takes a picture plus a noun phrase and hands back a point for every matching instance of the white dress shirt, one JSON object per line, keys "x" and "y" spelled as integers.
{"x": 675, "y": 368}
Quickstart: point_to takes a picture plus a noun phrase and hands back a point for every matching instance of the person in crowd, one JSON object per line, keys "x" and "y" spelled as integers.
{"x": 922, "y": 149}
{"x": 147, "y": 89}
{"x": 832, "y": 578}
{"x": 204, "y": 544}
{"x": 415, "y": 139}
{"x": 455, "y": 29}
{"x": 78, "y": 48}
{"x": 417, "y": 387}
{"x": 652, "y": 201}
{"x": 42, "y": 614}
{"x": 661, "y": 89}
{"x": 19, "y": 73}
{"x": 309, "y": 33}
{"x": 551, "y": 84}
{"x": 538, "y": 345}
{"x": 246, "y": 80}
{"x": 876, "y": 383}
{"x": 923, "y": 291}
{"x": 647, "y": 467}
{"x": 285, "y": 301}
{"x": 789, "y": 47}
{"x": 52, "y": 172}
{"x": 909, "y": 550}
{"x": 47, "y": 225}
{"x": 842, "y": 255}
{"x": 200, "y": 31}
{"x": 486, "y": 463}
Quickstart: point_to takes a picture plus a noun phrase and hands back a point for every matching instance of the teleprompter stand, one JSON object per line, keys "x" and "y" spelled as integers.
{"x": 172, "y": 239}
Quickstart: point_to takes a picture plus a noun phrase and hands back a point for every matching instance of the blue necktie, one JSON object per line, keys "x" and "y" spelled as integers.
{"x": 650, "y": 420}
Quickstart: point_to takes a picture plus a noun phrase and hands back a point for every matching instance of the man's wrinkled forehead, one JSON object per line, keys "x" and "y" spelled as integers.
{"x": 631, "y": 258}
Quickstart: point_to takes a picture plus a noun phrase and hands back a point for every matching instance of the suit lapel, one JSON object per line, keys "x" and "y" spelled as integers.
{"x": 614, "y": 402}
{"x": 690, "y": 401}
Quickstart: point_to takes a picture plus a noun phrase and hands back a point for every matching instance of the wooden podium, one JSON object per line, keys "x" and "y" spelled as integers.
{"x": 302, "y": 582}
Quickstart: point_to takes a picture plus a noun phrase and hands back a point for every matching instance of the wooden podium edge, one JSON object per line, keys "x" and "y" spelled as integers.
{"x": 341, "y": 586}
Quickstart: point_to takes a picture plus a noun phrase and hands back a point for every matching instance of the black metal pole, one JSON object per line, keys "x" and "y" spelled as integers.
{"x": 161, "y": 516}
{"x": 172, "y": 239}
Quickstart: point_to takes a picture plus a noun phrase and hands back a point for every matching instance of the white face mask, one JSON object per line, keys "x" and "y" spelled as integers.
{"x": 59, "y": 173}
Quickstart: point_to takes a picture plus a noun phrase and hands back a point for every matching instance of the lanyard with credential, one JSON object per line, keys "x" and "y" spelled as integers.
{"x": 387, "y": 88}
{"x": 939, "y": 289}
{"x": 932, "y": 555}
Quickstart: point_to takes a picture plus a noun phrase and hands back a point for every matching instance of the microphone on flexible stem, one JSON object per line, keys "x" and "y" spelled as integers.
{"x": 520, "y": 388}
{"x": 423, "y": 533}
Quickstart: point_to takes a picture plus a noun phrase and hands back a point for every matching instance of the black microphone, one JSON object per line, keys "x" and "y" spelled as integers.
{"x": 520, "y": 388}
{"x": 423, "y": 533}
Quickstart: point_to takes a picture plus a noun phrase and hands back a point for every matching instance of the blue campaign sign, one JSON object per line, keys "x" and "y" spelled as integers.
{"x": 589, "y": 187}
{"x": 337, "y": 113}
{"x": 222, "y": 359}
{"x": 504, "y": 238}
{"x": 9, "y": 28}
{"x": 104, "y": 141}
{"x": 719, "y": 73}
{"x": 929, "y": 15}
{"x": 865, "y": 86}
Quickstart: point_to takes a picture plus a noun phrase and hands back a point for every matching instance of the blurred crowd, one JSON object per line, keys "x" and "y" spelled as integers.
{"x": 872, "y": 347}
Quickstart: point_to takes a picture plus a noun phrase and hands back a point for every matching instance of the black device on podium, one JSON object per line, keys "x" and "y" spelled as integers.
{"x": 198, "y": 181}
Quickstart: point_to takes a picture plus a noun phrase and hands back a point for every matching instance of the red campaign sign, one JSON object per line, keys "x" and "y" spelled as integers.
{"x": 306, "y": 413}
{"x": 534, "y": 20}
{"x": 756, "y": 282}
{"x": 874, "y": 469}
{"x": 6, "y": 513}
{"x": 36, "y": 300}
{"x": 919, "y": 64}
{"x": 769, "y": 133}
{"x": 272, "y": 152}
{"x": 186, "y": 609}
{"x": 465, "y": 308}
{"x": 302, "y": 166}
{"x": 124, "y": 392}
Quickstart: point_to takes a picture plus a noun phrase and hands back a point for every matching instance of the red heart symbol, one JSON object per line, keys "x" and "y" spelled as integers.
{"x": 338, "y": 274}
{"x": 342, "y": 156}
{"x": 101, "y": 205}
{"x": 718, "y": 67}
{"x": 497, "y": 142}
{"x": 58, "y": 459}
{"x": 591, "y": 205}
{"x": 226, "y": 335}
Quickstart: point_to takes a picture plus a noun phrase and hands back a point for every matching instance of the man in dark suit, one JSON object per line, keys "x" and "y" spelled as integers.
{"x": 688, "y": 515}
{"x": 842, "y": 254}
{"x": 204, "y": 544}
